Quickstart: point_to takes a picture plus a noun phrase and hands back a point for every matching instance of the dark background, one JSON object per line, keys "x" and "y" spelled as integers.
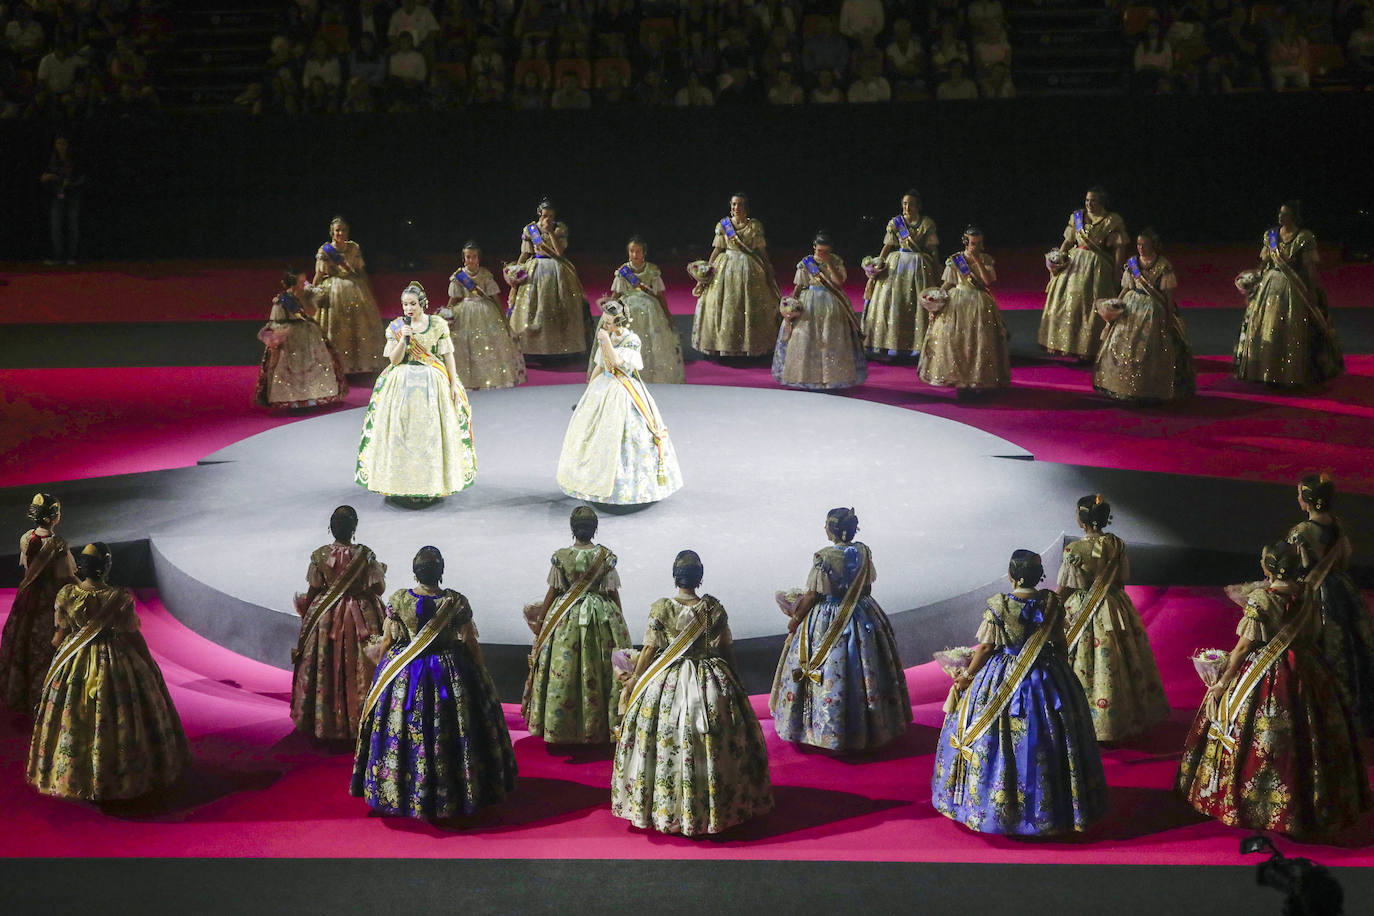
{"x": 1199, "y": 169}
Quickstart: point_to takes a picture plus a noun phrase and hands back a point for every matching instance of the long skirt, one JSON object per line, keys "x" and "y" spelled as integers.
{"x": 332, "y": 674}
{"x": 1347, "y": 643}
{"x": 822, "y": 349}
{"x": 417, "y": 441}
{"x": 966, "y": 343}
{"x": 350, "y": 321}
{"x": 659, "y": 344}
{"x": 573, "y": 690}
{"x": 894, "y": 322}
{"x": 549, "y": 315}
{"x": 1140, "y": 356}
{"x": 691, "y": 757}
{"x": 1070, "y": 324}
{"x": 484, "y": 350}
{"x": 1116, "y": 666}
{"x": 1281, "y": 343}
{"x": 737, "y": 314}
{"x": 609, "y": 455}
{"x": 26, "y": 648}
{"x": 299, "y": 367}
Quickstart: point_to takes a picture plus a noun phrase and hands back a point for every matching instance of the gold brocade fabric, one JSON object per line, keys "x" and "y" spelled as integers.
{"x": 484, "y": 350}
{"x": 1142, "y": 351}
{"x": 105, "y": 727}
{"x": 299, "y": 368}
{"x": 549, "y": 310}
{"x": 348, "y": 311}
{"x": 894, "y": 322}
{"x": 824, "y": 350}
{"x": 661, "y": 347}
{"x": 966, "y": 341}
{"x": 737, "y": 314}
{"x": 1280, "y": 342}
{"x": 1070, "y": 324}
{"x": 417, "y": 439}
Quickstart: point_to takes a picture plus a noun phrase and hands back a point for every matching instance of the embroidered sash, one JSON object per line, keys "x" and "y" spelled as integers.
{"x": 1106, "y": 578}
{"x": 908, "y": 239}
{"x": 813, "y": 268}
{"x": 627, "y": 274}
{"x": 417, "y": 352}
{"x": 290, "y": 303}
{"x": 676, "y": 649}
{"x": 728, "y": 227}
{"x": 464, "y": 280}
{"x": 967, "y": 734}
{"x": 1083, "y": 235}
{"x": 334, "y": 254}
{"x": 73, "y": 644}
{"x": 656, "y": 429}
{"x": 51, "y": 546}
{"x": 331, "y": 598}
{"x": 443, "y": 615}
{"x": 556, "y": 614}
{"x": 1296, "y": 283}
{"x": 811, "y": 662}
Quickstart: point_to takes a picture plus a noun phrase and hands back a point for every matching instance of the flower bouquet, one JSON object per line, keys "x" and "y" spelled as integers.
{"x": 1110, "y": 309}
{"x": 445, "y": 313}
{"x": 1056, "y": 259}
{"x": 272, "y": 338}
{"x": 791, "y": 307}
{"x": 700, "y": 271}
{"x": 515, "y": 274}
{"x": 954, "y": 661}
{"x": 873, "y": 266}
{"x": 1247, "y": 281}
{"x": 789, "y": 599}
{"x": 625, "y": 660}
{"x": 1209, "y": 664}
{"x": 934, "y": 299}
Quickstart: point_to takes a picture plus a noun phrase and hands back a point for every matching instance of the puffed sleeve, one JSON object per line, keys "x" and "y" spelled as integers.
{"x": 463, "y": 615}
{"x": 322, "y": 260}
{"x": 818, "y": 580}
{"x": 444, "y": 345}
{"x": 62, "y": 608}
{"x": 655, "y": 282}
{"x": 618, "y": 284}
{"x": 376, "y": 575}
{"x": 720, "y": 637}
{"x": 455, "y": 289}
{"x": 758, "y": 238}
{"x": 1071, "y": 571}
{"x": 526, "y": 246}
{"x": 890, "y": 237}
{"x": 718, "y": 238}
{"x": 628, "y": 352}
{"x": 1168, "y": 280}
{"x": 989, "y": 633}
{"x": 487, "y": 284}
{"x": 1069, "y": 232}
{"x": 656, "y": 636}
{"x": 126, "y": 618}
{"x": 1116, "y": 226}
{"x": 24, "y": 549}
{"x": 1252, "y": 624}
{"x": 314, "y": 576}
{"x": 802, "y": 276}
{"x": 951, "y": 274}
{"x": 1127, "y": 278}
{"x": 610, "y": 579}
{"x": 558, "y": 578}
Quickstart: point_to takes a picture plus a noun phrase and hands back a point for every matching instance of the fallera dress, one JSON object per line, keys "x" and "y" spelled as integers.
{"x": 1145, "y": 355}
{"x": 26, "y": 648}
{"x": 616, "y": 450}
{"x": 858, "y": 698}
{"x": 737, "y": 312}
{"x": 691, "y": 758}
{"x": 549, "y": 315}
{"x": 1070, "y": 324}
{"x": 484, "y": 349}
{"x": 1034, "y": 769}
{"x": 822, "y": 348}
{"x": 966, "y": 342}
{"x": 331, "y": 673}
{"x": 894, "y": 323}
{"x": 105, "y": 727}
{"x": 299, "y": 368}
{"x": 572, "y": 690}
{"x": 660, "y": 346}
{"x": 416, "y": 440}
{"x": 348, "y": 311}
{"x": 435, "y": 744}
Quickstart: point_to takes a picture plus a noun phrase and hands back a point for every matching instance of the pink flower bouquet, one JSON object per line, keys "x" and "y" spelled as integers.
{"x": 1110, "y": 309}
{"x": 1209, "y": 664}
{"x": 515, "y": 274}
{"x": 954, "y": 662}
{"x": 934, "y": 299}
{"x": 1056, "y": 260}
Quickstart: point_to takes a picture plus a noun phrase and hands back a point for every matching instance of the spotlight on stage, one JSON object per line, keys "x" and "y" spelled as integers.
{"x": 408, "y": 246}
{"x": 1308, "y": 888}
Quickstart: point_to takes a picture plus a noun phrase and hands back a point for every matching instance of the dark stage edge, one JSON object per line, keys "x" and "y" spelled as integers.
{"x": 208, "y": 887}
{"x": 1211, "y": 331}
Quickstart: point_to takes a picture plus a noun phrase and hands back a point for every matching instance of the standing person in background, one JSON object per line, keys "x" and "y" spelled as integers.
{"x": 737, "y": 305}
{"x": 299, "y": 368}
{"x": 65, "y": 183}
{"x": 639, "y": 285}
{"x": 894, "y": 323}
{"x": 484, "y": 350}
{"x": 548, "y": 312}
{"x": 348, "y": 311}
{"x": 26, "y": 646}
{"x": 1095, "y": 240}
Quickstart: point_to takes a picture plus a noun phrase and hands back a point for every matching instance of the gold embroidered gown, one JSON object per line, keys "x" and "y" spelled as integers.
{"x": 106, "y": 726}
{"x": 966, "y": 342}
{"x": 823, "y": 348}
{"x": 894, "y": 323}
{"x": 737, "y": 312}
{"x": 1070, "y": 324}
{"x": 484, "y": 349}
{"x": 1145, "y": 354}
{"x": 348, "y": 311}
{"x": 660, "y": 346}
{"x": 417, "y": 441}
{"x": 299, "y": 367}
{"x": 548, "y": 312}
{"x": 1286, "y": 337}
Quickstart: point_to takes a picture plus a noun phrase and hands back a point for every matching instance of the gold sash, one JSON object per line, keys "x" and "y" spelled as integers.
{"x": 968, "y": 734}
{"x": 676, "y": 649}
{"x": 330, "y": 599}
{"x": 443, "y": 615}
{"x": 556, "y": 614}
{"x": 1084, "y": 240}
{"x": 1106, "y": 578}
{"x": 842, "y": 296}
{"x": 1299, "y": 287}
{"x": 656, "y": 429}
{"x": 418, "y": 353}
{"x": 45, "y": 556}
{"x": 811, "y": 662}
{"x": 72, "y": 646}
{"x": 756, "y": 258}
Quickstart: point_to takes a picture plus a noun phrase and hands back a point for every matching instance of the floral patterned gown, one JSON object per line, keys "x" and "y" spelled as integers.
{"x": 26, "y": 648}
{"x": 1113, "y": 658}
{"x": 659, "y": 343}
{"x": 348, "y": 311}
{"x": 1297, "y": 766}
{"x": 435, "y": 745}
{"x": 1037, "y": 770}
{"x": 737, "y": 311}
{"x": 894, "y": 323}
{"x": 691, "y": 757}
{"x": 299, "y": 368}
{"x": 106, "y": 727}
{"x": 1347, "y": 634}
{"x": 1070, "y": 324}
{"x": 861, "y": 701}
{"x": 331, "y": 673}
{"x": 573, "y": 689}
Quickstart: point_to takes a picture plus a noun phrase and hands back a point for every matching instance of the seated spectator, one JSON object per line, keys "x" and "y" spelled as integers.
{"x": 406, "y": 70}
{"x": 695, "y": 17}
{"x": 486, "y": 92}
{"x": 784, "y": 90}
{"x": 956, "y": 85}
{"x": 127, "y": 65}
{"x": 996, "y": 83}
{"x": 1153, "y": 60}
{"x": 826, "y": 92}
{"x": 984, "y": 15}
{"x": 455, "y": 34}
{"x": 574, "y": 37}
{"x": 529, "y": 94}
{"x": 949, "y": 48}
{"x": 906, "y": 59}
{"x": 414, "y": 20}
{"x": 649, "y": 52}
{"x": 366, "y": 61}
{"x": 942, "y": 11}
{"x": 486, "y": 59}
{"x": 693, "y": 93}
{"x": 611, "y": 90}
{"x": 1235, "y": 49}
{"x": 735, "y": 87}
{"x": 358, "y": 97}
{"x": 135, "y": 101}
{"x": 824, "y": 50}
{"x": 1288, "y": 57}
{"x": 569, "y": 94}
{"x": 57, "y": 70}
{"x": 1360, "y": 49}
{"x": 731, "y": 14}
{"x": 777, "y": 14}
{"x": 24, "y": 34}
{"x": 860, "y": 18}
{"x": 322, "y": 64}
{"x": 652, "y": 91}
{"x": 870, "y": 86}
{"x": 991, "y": 46}
{"x": 319, "y": 97}
{"x": 781, "y": 53}
{"x": 149, "y": 28}
{"x": 1186, "y": 34}
{"x": 698, "y": 54}
{"x": 491, "y": 19}
{"x": 368, "y": 21}
{"x": 735, "y": 49}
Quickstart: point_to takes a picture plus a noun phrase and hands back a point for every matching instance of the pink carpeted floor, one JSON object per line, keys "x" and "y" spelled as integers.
{"x": 257, "y": 789}
{"x": 210, "y": 290}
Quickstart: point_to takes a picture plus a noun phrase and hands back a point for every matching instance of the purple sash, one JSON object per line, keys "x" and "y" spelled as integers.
{"x": 332, "y": 253}
{"x": 728, "y": 227}
{"x": 1078, "y": 220}
{"x": 465, "y": 281}
{"x": 903, "y": 232}
{"x": 628, "y": 275}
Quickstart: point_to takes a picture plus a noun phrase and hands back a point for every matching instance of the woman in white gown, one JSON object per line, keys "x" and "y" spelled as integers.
{"x": 417, "y": 431}
{"x": 617, "y": 450}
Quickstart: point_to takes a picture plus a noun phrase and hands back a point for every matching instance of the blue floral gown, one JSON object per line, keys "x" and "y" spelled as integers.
{"x": 861, "y": 701}
{"x": 435, "y": 745}
{"x": 1037, "y": 770}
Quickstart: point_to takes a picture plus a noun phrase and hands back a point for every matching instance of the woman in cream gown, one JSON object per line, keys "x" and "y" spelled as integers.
{"x": 639, "y": 284}
{"x": 894, "y": 323}
{"x": 616, "y": 450}
{"x": 549, "y": 315}
{"x": 348, "y": 312}
{"x": 821, "y": 347}
{"x": 417, "y": 433}
{"x": 737, "y": 306}
{"x": 1095, "y": 239}
{"x": 484, "y": 350}
{"x": 966, "y": 342}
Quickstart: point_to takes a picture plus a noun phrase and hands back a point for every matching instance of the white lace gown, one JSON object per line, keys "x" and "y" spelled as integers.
{"x": 610, "y": 453}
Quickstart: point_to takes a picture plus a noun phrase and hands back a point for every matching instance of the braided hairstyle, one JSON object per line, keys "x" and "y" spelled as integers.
{"x": 583, "y": 522}
{"x": 44, "y": 508}
{"x": 428, "y": 566}
{"x": 1281, "y": 560}
{"x": 1094, "y": 512}
{"x": 687, "y": 569}
{"x": 1026, "y": 569}
{"x": 1318, "y": 491}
